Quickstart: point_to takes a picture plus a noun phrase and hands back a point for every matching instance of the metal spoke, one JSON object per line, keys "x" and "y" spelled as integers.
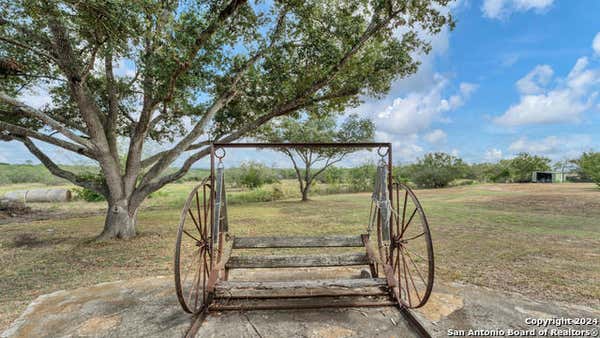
{"x": 190, "y": 235}
{"x": 199, "y": 215}
{"x": 406, "y": 280}
{"x": 197, "y": 284}
{"x": 408, "y": 223}
{"x": 414, "y": 237}
{"x": 416, "y": 268}
{"x": 194, "y": 220}
{"x": 196, "y": 276}
{"x": 412, "y": 281}
{"x": 416, "y": 254}
{"x": 404, "y": 208}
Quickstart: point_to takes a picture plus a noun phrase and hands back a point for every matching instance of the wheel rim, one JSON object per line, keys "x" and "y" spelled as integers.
{"x": 410, "y": 248}
{"x": 193, "y": 253}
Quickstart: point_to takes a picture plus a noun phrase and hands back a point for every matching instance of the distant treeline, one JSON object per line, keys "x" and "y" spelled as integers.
{"x": 434, "y": 170}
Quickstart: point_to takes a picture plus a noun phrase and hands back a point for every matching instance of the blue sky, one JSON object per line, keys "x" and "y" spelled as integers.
{"x": 514, "y": 75}
{"x": 515, "y": 62}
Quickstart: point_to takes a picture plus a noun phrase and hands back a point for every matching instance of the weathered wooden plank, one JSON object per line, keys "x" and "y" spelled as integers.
{"x": 302, "y": 288}
{"x": 285, "y": 261}
{"x": 301, "y": 303}
{"x": 297, "y": 242}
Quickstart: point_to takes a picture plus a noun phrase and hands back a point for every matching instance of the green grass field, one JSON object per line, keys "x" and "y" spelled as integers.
{"x": 539, "y": 240}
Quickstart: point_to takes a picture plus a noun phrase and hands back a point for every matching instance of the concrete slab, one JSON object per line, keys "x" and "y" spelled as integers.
{"x": 148, "y": 308}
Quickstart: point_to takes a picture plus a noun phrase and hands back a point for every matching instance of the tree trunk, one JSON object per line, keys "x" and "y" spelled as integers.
{"x": 121, "y": 218}
{"x": 305, "y": 192}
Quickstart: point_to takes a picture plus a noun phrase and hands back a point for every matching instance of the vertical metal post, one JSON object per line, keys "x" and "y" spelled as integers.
{"x": 212, "y": 201}
{"x": 391, "y": 187}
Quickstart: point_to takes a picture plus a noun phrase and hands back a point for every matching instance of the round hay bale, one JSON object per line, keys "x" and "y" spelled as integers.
{"x": 40, "y": 195}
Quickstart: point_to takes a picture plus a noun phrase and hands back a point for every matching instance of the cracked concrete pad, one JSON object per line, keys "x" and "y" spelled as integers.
{"x": 476, "y": 307}
{"x": 148, "y": 308}
{"x": 144, "y": 307}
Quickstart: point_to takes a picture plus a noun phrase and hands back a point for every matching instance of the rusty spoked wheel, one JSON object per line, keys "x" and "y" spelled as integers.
{"x": 411, "y": 249}
{"x": 193, "y": 258}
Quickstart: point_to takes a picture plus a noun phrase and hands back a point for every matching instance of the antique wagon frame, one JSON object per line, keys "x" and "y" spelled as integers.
{"x": 203, "y": 236}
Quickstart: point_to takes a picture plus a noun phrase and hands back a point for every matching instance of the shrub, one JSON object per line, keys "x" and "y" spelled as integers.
{"x": 589, "y": 163}
{"x": 437, "y": 170}
{"x": 363, "y": 178}
{"x": 88, "y": 195}
{"x": 523, "y": 165}
{"x": 254, "y": 175}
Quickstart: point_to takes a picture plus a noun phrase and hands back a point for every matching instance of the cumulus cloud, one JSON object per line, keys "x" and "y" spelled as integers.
{"x": 492, "y": 155}
{"x": 553, "y": 146}
{"x": 564, "y": 103}
{"x": 499, "y": 9}
{"x": 596, "y": 44}
{"x": 436, "y": 137}
{"x": 416, "y": 111}
{"x": 534, "y": 82}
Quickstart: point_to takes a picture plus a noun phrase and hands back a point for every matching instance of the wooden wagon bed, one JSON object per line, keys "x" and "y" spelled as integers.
{"x": 207, "y": 254}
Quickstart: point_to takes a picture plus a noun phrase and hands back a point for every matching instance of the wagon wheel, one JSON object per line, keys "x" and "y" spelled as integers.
{"x": 411, "y": 249}
{"x": 193, "y": 258}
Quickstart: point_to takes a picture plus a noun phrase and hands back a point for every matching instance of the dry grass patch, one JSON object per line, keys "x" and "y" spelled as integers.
{"x": 532, "y": 249}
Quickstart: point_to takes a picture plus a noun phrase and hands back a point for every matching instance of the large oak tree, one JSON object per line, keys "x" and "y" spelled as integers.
{"x": 202, "y": 71}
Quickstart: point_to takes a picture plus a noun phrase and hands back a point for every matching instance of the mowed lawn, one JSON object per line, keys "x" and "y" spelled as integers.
{"x": 539, "y": 240}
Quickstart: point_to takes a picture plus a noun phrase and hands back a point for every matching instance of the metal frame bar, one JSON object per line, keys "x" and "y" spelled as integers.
{"x": 303, "y": 145}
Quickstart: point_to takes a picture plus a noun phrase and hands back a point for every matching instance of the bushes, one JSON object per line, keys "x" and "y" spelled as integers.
{"x": 521, "y": 167}
{"x": 253, "y": 175}
{"x": 362, "y": 178}
{"x": 437, "y": 170}
{"x": 589, "y": 164}
{"x": 27, "y": 173}
{"x": 88, "y": 195}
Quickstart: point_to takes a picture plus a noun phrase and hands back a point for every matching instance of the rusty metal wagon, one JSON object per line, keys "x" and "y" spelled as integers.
{"x": 397, "y": 251}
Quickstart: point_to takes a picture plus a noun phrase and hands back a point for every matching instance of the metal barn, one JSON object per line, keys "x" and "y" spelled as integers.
{"x": 547, "y": 177}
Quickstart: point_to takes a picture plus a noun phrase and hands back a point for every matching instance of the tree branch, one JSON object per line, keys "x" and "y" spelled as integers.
{"x": 56, "y": 170}
{"x": 29, "y": 48}
{"x": 18, "y": 131}
{"x": 32, "y": 112}
{"x": 300, "y": 101}
{"x": 200, "y": 41}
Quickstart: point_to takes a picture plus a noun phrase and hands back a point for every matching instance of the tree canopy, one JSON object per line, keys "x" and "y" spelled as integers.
{"x": 309, "y": 163}
{"x": 187, "y": 73}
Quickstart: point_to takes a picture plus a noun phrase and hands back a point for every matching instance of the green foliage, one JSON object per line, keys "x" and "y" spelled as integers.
{"x": 26, "y": 173}
{"x": 523, "y": 165}
{"x": 89, "y": 195}
{"x": 253, "y": 175}
{"x": 490, "y": 172}
{"x": 437, "y": 170}
{"x": 589, "y": 163}
{"x": 362, "y": 178}
{"x": 333, "y": 175}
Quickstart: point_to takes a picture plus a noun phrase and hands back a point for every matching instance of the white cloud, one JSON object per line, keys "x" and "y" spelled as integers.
{"x": 435, "y": 137}
{"x": 564, "y": 103}
{"x": 416, "y": 111}
{"x": 492, "y": 155}
{"x": 36, "y": 97}
{"x": 596, "y": 44}
{"x": 405, "y": 149}
{"x": 534, "y": 82}
{"x": 499, "y": 9}
{"x": 553, "y": 146}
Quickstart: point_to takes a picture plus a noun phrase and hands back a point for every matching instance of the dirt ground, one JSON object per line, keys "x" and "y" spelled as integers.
{"x": 538, "y": 240}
